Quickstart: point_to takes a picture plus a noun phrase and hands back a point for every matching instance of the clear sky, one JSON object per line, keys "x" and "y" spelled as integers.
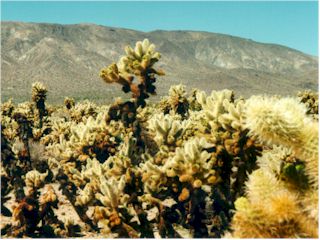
{"x": 293, "y": 24}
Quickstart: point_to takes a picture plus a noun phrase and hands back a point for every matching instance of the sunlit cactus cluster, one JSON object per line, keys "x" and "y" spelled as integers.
{"x": 287, "y": 178}
{"x": 191, "y": 165}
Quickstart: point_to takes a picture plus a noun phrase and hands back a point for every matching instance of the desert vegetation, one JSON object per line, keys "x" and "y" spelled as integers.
{"x": 192, "y": 165}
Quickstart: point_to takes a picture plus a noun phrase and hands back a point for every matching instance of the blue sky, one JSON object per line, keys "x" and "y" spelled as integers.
{"x": 293, "y": 24}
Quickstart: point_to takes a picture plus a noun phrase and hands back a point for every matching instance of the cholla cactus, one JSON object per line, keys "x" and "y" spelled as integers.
{"x": 311, "y": 101}
{"x": 233, "y": 118}
{"x": 86, "y": 195}
{"x": 192, "y": 163}
{"x": 59, "y": 129}
{"x": 177, "y": 101}
{"x": 69, "y": 102}
{"x": 48, "y": 196}
{"x": 9, "y": 127}
{"x": 93, "y": 138}
{"x": 35, "y": 179}
{"x": 7, "y": 108}
{"x": 25, "y": 109}
{"x": 281, "y": 219}
{"x": 177, "y": 93}
{"x": 138, "y": 62}
{"x": 285, "y": 122}
{"x": 24, "y": 133}
{"x": 192, "y": 99}
{"x": 106, "y": 185}
{"x": 284, "y": 214}
{"x": 168, "y": 129}
{"x": 184, "y": 167}
{"x": 154, "y": 177}
{"x": 280, "y": 183}
{"x": 112, "y": 195}
{"x": 39, "y": 94}
{"x": 214, "y": 105}
{"x": 83, "y": 111}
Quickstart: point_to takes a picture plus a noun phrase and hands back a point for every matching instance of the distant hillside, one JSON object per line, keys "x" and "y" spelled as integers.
{"x": 68, "y": 58}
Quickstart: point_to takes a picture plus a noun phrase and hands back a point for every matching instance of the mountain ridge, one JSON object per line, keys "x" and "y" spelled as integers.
{"x": 161, "y": 30}
{"x": 66, "y": 57}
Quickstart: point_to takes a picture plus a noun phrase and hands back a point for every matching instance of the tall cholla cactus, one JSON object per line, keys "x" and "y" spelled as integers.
{"x": 137, "y": 63}
{"x": 39, "y": 95}
{"x": 277, "y": 203}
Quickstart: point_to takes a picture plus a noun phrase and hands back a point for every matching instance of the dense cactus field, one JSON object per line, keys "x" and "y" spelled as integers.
{"x": 192, "y": 165}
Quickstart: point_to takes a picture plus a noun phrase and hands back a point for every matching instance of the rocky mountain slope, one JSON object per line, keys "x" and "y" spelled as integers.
{"x": 68, "y": 58}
